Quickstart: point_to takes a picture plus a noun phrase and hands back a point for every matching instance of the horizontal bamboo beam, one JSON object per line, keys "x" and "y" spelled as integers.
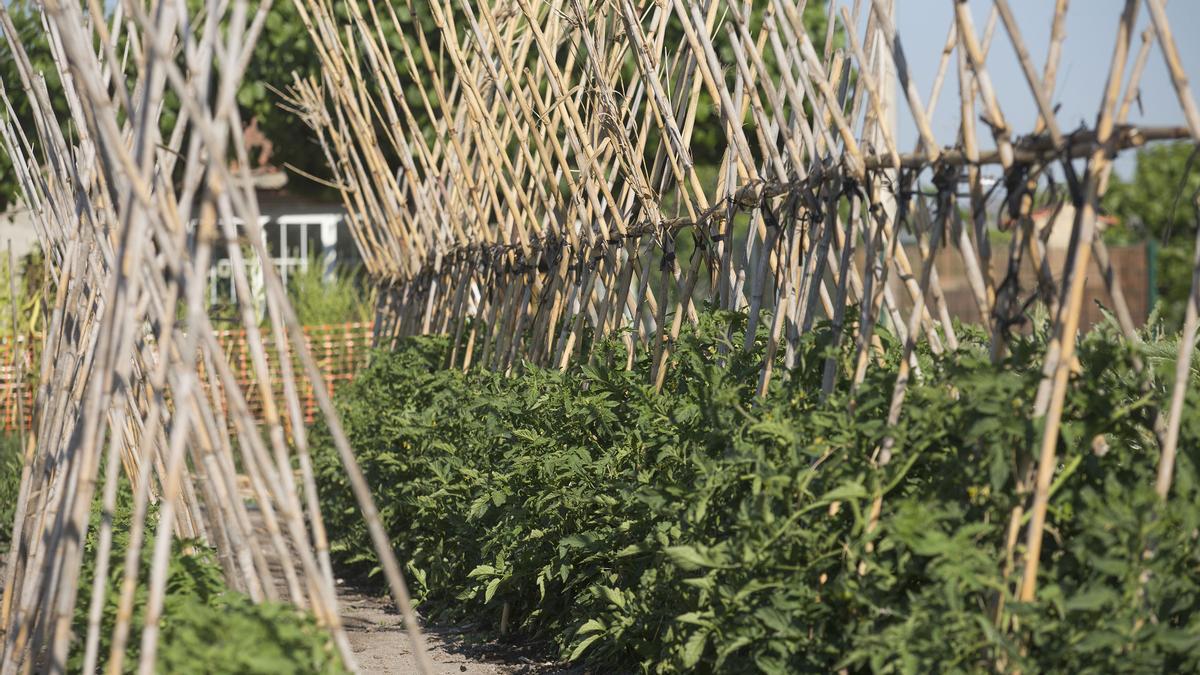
{"x": 1041, "y": 148}
{"x": 1029, "y": 150}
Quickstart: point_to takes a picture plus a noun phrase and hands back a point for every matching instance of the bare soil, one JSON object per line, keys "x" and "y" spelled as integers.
{"x": 381, "y": 644}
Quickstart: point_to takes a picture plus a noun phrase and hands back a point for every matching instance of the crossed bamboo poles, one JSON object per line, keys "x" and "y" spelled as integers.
{"x": 129, "y": 219}
{"x": 537, "y": 211}
{"x": 538, "y": 207}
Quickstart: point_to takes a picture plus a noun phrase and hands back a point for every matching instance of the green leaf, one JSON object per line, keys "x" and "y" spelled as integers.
{"x": 613, "y": 596}
{"x": 696, "y": 618}
{"x": 591, "y": 626}
{"x": 690, "y": 558}
{"x": 1090, "y": 600}
{"x": 632, "y": 549}
{"x": 482, "y": 571}
{"x": 845, "y": 491}
{"x": 694, "y": 649}
{"x": 491, "y": 590}
{"x": 582, "y": 647}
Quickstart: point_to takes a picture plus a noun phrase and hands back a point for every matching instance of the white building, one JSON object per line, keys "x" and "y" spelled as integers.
{"x": 298, "y": 231}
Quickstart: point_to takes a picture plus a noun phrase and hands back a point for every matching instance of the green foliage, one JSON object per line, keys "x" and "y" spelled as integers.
{"x": 10, "y": 485}
{"x": 702, "y": 529}
{"x": 344, "y": 297}
{"x": 205, "y": 626}
{"x": 1157, "y": 204}
{"x": 27, "y": 21}
{"x": 1160, "y": 191}
{"x": 285, "y": 50}
{"x": 30, "y": 272}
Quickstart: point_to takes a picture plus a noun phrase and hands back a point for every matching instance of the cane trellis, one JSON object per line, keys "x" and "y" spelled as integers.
{"x": 519, "y": 179}
{"x": 132, "y": 373}
{"x": 540, "y": 205}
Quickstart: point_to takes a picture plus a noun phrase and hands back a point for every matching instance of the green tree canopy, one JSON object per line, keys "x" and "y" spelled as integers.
{"x": 1159, "y": 193}
{"x": 1156, "y": 204}
{"x": 27, "y": 20}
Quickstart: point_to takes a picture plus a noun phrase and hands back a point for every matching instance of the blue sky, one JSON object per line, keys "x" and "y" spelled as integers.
{"x": 1091, "y": 27}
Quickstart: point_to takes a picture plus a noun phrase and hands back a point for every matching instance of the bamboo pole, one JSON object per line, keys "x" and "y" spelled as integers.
{"x": 1068, "y": 321}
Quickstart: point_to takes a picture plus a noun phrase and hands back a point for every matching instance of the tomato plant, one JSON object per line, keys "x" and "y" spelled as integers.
{"x": 701, "y": 528}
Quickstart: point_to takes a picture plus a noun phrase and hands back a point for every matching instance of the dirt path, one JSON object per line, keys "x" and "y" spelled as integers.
{"x": 381, "y": 644}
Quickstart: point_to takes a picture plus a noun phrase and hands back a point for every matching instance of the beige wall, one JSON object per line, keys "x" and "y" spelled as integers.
{"x": 1129, "y": 262}
{"x": 16, "y": 225}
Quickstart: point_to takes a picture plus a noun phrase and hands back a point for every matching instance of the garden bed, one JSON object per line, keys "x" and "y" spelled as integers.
{"x": 703, "y": 528}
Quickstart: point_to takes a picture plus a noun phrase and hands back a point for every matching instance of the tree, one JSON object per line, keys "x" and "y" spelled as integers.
{"x": 285, "y": 50}
{"x": 1156, "y": 205}
{"x": 27, "y": 20}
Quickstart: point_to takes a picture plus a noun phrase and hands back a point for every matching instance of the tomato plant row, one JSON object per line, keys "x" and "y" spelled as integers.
{"x": 706, "y": 529}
